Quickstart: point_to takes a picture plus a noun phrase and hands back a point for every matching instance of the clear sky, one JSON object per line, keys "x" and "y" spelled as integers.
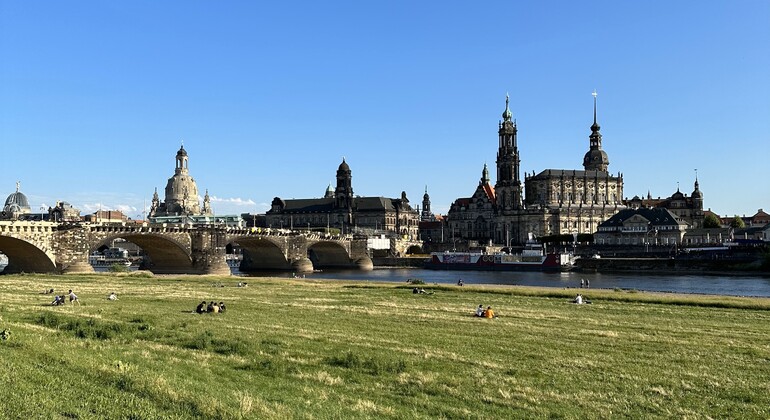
{"x": 96, "y": 96}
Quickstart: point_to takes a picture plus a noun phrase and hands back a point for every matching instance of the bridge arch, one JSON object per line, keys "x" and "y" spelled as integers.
{"x": 328, "y": 254}
{"x": 24, "y": 256}
{"x": 260, "y": 254}
{"x": 163, "y": 255}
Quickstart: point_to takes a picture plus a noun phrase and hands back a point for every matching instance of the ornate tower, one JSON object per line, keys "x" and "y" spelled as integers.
{"x": 155, "y": 203}
{"x": 344, "y": 191}
{"x": 595, "y": 159}
{"x": 508, "y": 184}
{"x": 426, "y": 214}
{"x": 207, "y": 204}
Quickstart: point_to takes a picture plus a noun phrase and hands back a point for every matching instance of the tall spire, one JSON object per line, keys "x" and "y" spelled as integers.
{"x": 595, "y": 159}
{"x": 507, "y": 114}
{"x": 594, "y": 95}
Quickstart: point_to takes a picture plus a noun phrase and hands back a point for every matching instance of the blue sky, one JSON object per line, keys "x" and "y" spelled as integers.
{"x": 95, "y": 97}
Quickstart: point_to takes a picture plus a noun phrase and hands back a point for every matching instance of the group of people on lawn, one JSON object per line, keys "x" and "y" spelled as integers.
{"x": 211, "y": 307}
{"x": 61, "y": 299}
{"x": 485, "y": 313}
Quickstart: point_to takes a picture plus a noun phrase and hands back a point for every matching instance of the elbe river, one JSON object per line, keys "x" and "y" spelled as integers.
{"x": 733, "y": 285}
{"x": 709, "y": 284}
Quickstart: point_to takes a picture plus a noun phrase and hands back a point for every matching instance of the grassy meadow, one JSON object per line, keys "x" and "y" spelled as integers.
{"x": 327, "y": 349}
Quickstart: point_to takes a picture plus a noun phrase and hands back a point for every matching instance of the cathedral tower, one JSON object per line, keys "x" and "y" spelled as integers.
{"x": 595, "y": 159}
{"x": 508, "y": 184}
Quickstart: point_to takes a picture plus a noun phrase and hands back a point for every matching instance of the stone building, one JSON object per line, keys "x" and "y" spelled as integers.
{"x": 181, "y": 193}
{"x": 473, "y": 218}
{"x": 642, "y": 226}
{"x": 106, "y": 216}
{"x": 63, "y": 212}
{"x": 341, "y": 209}
{"x": 553, "y": 202}
{"x": 687, "y": 208}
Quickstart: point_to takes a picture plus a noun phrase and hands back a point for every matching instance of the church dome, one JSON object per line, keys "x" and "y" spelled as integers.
{"x": 343, "y": 166}
{"x": 181, "y": 152}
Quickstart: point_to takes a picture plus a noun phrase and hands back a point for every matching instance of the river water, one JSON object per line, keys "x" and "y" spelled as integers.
{"x": 732, "y": 285}
{"x": 741, "y": 285}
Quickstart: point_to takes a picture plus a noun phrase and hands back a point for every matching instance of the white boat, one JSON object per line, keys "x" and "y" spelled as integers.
{"x": 102, "y": 261}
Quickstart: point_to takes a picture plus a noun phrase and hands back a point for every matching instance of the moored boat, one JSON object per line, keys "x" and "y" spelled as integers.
{"x": 100, "y": 261}
{"x": 533, "y": 257}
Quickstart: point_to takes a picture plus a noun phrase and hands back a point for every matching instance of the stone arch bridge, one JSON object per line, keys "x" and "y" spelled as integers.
{"x": 45, "y": 247}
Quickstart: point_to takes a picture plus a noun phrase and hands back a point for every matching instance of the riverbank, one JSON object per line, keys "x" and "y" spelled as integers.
{"x": 346, "y": 349}
{"x": 671, "y": 266}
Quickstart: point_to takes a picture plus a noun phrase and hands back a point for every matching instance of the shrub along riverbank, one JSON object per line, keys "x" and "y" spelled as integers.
{"x": 320, "y": 349}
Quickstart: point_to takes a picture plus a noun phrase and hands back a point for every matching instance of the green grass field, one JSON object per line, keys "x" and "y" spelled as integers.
{"x": 327, "y": 349}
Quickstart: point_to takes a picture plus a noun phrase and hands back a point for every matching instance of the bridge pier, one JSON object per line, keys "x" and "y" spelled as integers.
{"x": 302, "y": 265}
{"x": 208, "y": 252}
{"x": 78, "y": 267}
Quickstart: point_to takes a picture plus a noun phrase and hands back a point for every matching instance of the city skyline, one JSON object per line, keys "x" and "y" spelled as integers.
{"x": 95, "y": 98}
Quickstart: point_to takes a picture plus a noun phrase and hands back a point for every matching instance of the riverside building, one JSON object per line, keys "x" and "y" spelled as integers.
{"x": 552, "y": 202}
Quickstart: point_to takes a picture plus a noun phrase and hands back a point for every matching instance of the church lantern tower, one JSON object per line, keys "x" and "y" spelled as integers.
{"x": 595, "y": 159}
{"x": 508, "y": 184}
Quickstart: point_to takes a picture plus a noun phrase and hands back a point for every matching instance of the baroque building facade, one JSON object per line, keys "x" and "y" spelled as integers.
{"x": 181, "y": 198}
{"x": 552, "y": 202}
{"x": 687, "y": 208}
{"x": 342, "y": 210}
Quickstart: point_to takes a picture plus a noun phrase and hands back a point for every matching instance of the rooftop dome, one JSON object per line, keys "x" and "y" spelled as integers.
{"x": 344, "y": 166}
{"x": 596, "y": 158}
{"x": 181, "y": 151}
{"x": 17, "y": 202}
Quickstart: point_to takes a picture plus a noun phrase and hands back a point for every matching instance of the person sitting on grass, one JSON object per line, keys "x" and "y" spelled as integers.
{"x": 201, "y": 307}
{"x": 578, "y": 299}
{"x": 57, "y": 300}
{"x": 213, "y": 307}
{"x": 489, "y": 313}
{"x": 222, "y": 307}
{"x": 479, "y": 311}
{"x": 112, "y": 296}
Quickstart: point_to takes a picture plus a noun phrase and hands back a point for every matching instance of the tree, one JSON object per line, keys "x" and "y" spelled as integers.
{"x": 737, "y": 222}
{"x": 712, "y": 221}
